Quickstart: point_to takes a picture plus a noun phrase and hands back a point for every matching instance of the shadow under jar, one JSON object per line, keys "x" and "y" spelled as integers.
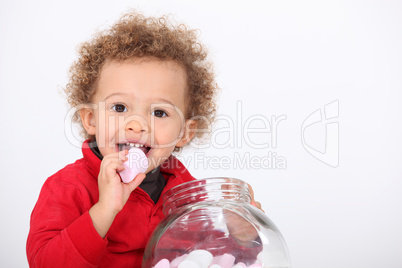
{"x": 209, "y": 223}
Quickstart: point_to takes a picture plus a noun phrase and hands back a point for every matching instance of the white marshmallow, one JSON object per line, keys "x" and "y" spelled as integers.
{"x": 164, "y": 263}
{"x": 202, "y": 257}
{"x": 175, "y": 263}
{"x": 225, "y": 261}
{"x": 189, "y": 264}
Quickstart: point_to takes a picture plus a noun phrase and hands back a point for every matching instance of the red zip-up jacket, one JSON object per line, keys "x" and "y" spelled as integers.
{"x": 62, "y": 234}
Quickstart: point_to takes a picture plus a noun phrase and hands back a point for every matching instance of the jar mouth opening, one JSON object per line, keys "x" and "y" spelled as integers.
{"x": 208, "y": 189}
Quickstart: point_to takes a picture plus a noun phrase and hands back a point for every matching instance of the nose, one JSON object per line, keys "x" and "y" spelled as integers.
{"x": 137, "y": 124}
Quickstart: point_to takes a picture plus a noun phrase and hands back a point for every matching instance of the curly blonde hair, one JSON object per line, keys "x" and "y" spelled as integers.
{"x": 137, "y": 36}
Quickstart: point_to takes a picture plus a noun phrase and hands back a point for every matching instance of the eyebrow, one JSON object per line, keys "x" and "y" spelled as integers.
{"x": 114, "y": 94}
{"x": 153, "y": 100}
{"x": 163, "y": 100}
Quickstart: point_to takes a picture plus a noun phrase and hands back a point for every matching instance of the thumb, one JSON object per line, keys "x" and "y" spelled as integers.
{"x": 136, "y": 182}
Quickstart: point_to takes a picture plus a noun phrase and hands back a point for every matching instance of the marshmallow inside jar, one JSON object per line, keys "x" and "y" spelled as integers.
{"x": 137, "y": 163}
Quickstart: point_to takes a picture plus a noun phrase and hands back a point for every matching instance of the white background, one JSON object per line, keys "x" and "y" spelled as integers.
{"x": 274, "y": 58}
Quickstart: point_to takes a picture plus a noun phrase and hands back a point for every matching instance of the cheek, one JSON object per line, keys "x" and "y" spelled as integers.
{"x": 106, "y": 126}
{"x": 167, "y": 133}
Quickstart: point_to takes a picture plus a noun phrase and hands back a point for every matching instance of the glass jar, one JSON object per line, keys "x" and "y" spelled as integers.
{"x": 210, "y": 223}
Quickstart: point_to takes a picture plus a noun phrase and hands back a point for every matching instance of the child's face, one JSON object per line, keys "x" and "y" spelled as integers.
{"x": 140, "y": 102}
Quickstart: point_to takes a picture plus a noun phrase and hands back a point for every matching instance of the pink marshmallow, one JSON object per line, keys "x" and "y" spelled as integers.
{"x": 137, "y": 163}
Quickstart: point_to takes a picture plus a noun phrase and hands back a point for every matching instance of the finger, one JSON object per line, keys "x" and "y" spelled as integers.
{"x": 136, "y": 182}
{"x": 121, "y": 158}
{"x": 253, "y": 202}
{"x": 120, "y": 166}
{"x": 111, "y": 165}
{"x": 250, "y": 189}
{"x": 123, "y": 155}
{"x": 257, "y": 205}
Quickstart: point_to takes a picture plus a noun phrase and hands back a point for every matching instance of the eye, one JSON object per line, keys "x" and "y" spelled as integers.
{"x": 119, "y": 108}
{"x": 159, "y": 113}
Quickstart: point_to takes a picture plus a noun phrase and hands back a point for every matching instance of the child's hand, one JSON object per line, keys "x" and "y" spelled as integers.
{"x": 241, "y": 230}
{"x": 253, "y": 202}
{"x": 113, "y": 193}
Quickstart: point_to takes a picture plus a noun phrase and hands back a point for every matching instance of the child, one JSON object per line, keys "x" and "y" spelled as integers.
{"x": 144, "y": 83}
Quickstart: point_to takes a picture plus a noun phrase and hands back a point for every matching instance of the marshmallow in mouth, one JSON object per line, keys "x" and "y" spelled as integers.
{"x": 137, "y": 163}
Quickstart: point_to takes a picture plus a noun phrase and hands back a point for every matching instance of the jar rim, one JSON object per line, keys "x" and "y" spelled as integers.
{"x": 232, "y": 187}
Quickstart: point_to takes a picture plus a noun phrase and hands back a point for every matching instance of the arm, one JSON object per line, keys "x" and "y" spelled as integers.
{"x": 113, "y": 193}
{"x": 63, "y": 232}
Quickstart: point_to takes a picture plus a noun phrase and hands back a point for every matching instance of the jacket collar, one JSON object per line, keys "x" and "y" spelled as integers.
{"x": 92, "y": 160}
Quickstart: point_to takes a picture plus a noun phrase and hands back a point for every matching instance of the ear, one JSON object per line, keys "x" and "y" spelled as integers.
{"x": 88, "y": 120}
{"x": 189, "y": 132}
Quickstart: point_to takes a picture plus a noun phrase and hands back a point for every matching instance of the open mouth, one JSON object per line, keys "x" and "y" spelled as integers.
{"x": 129, "y": 145}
